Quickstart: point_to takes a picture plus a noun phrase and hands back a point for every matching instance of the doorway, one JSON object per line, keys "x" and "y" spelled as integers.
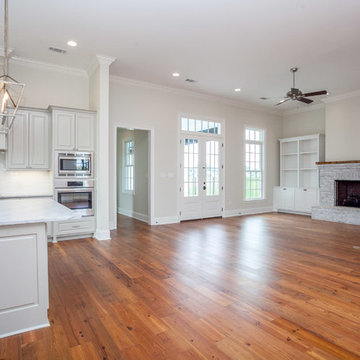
{"x": 201, "y": 170}
{"x": 132, "y": 173}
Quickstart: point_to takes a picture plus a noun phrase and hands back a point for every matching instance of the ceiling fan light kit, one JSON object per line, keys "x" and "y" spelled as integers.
{"x": 11, "y": 91}
{"x": 296, "y": 95}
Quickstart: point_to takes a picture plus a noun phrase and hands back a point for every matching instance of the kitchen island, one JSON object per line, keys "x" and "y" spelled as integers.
{"x": 24, "y": 290}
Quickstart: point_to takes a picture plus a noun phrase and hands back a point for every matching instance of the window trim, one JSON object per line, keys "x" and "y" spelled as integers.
{"x": 263, "y": 142}
{"x": 124, "y": 166}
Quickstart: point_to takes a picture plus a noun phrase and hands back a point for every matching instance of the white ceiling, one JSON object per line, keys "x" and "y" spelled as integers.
{"x": 222, "y": 44}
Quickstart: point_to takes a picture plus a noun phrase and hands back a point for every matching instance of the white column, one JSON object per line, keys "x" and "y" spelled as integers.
{"x": 99, "y": 101}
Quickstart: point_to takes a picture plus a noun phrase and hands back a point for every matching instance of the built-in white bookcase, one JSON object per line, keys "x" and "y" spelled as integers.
{"x": 298, "y": 157}
{"x": 299, "y": 175}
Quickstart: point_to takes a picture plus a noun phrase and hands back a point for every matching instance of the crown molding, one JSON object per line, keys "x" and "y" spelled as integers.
{"x": 177, "y": 91}
{"x": 35, "y": 64}
{"x": 304, "y": 109}
{"x": 331, "y": 99}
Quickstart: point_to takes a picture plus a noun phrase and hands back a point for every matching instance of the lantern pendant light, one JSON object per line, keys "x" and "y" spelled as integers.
{"x": 11, "y": 91}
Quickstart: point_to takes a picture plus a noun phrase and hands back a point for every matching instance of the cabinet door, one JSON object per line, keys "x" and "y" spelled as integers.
{"x": 286, "y": 198}
{"x": 305, "y": 199}
{"x": 85, "y": 130}
{"x": 64, "y": 130}
{"x": 39, "y": 140}
{"x": 17, "y": 154}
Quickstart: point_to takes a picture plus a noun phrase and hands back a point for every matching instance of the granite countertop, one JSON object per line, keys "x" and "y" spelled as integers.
{"x": 36, "y": 210}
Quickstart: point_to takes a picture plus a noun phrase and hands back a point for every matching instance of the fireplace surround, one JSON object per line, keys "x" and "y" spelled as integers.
{"x": 339, "y": 192}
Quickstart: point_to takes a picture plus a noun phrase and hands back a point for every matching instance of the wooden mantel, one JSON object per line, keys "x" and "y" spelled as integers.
{"x": 338, "y": 162}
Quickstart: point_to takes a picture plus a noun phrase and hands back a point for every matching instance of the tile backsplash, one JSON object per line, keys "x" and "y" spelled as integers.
{"x": 24, "y": 182}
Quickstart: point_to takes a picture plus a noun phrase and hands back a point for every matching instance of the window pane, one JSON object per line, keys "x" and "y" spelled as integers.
{"x": 198, "y": 126}
{"x": 253, "y": 164}
{"x": 191, "y": 125}
{"x": 184, "y": 124}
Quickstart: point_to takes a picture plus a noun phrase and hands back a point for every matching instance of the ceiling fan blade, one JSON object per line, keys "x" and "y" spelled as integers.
{"x": 282, "y": 101}
{"x": 304, "y": 100}
{"x": 314, "y": 93}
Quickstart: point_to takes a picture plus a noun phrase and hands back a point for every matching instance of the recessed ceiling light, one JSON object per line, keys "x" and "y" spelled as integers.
{"x": 237, "y": 90}
{"x": 72, "y": 43}
{"x": 175, "y": 74}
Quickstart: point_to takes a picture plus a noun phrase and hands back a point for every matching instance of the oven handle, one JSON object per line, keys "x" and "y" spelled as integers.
{"x": 67, "y": 190}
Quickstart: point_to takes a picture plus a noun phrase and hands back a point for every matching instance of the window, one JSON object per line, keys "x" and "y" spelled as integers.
{"x": 129, "y": 161}
{"x": 254, "y": 164}
{"x": 200, "y": 126}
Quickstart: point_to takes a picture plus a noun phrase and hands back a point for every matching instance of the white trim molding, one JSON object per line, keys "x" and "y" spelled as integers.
{"x": 248, "y": 211}
{"x": 331, "y": 99}
{"x": 102, "y": 235}
{"x": 166, "y": 220}
{"x": 35, "y": 64}
{"x": 134, "y": 214}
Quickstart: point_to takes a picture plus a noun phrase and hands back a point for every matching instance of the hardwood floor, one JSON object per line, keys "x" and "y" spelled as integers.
{"x": 271, "y": 286}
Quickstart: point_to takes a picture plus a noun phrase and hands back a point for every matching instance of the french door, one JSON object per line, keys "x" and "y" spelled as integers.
{"x": 201, "y": 177}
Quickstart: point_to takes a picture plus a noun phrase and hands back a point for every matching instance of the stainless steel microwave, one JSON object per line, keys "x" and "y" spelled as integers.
{"x": 73, "y": 164}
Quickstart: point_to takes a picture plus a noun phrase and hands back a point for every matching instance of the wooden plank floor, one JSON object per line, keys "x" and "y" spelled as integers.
{"x": 271, "y": 286}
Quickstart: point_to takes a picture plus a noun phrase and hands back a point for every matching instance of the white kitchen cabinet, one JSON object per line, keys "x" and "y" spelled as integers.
{"x": 64, "y": 130}
{"x": 73, "y": 130}
{"x": 63, "y": 230}
{"x": 85, "y": 131}
{"x": 28, "y": 141}
{"x": 39, "y": 134}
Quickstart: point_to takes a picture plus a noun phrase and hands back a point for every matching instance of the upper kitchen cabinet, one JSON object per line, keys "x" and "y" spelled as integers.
{"x": 28, "y": 141}
{"x": 73, "y": 129}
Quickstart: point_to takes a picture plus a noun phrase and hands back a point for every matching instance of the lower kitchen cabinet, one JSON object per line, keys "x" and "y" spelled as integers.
{"x": 291, "y": 199}
{"x": 65, "y": 230}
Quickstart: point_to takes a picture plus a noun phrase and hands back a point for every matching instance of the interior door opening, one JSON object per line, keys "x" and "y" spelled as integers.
{"x": 132, "y": 175}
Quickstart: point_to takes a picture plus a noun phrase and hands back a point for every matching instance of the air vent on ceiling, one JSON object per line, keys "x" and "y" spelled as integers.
{"x": 190, "y": 80}
{"x": 57, "y": 50}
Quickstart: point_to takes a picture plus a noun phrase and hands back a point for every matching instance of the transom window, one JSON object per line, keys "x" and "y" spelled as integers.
{"x": 254, "y": 164}
{"x": 200, "y": 126}
{"x": 129, "y": 162}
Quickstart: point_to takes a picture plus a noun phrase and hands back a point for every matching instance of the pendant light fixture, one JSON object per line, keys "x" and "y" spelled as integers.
{"x": 11, "y": 91}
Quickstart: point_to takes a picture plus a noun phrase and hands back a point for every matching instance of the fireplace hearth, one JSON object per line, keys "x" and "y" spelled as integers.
{"x": 348, "y": 193}
{"x": 339, "y": 192}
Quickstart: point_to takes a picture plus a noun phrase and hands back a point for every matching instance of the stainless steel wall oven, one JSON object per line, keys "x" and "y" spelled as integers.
{"x": 77, "y": 195}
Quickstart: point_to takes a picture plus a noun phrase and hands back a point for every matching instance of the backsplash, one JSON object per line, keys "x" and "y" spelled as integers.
{"x": 24, "y": 183}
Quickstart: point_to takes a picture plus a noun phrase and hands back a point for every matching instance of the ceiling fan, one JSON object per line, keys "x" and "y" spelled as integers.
{"x": 296, "y": 94}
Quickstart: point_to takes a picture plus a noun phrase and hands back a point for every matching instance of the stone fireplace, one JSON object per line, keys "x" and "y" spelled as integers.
{"x": 339, "y": 192}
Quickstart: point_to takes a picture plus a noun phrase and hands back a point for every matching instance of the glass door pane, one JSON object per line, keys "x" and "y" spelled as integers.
{"x": 212, "y": 168}
{"x": 191, "y": 167}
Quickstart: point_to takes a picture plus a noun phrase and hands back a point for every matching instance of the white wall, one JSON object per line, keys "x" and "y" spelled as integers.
{"x": 343, "y": 129}
{"x": 145, "y": 106}
{"x": 44, "y": 87}
{"x": 304, "y": 123}
{"x": 136, "y": 204}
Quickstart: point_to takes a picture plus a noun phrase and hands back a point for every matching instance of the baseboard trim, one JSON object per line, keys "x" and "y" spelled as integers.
{"x": 247, "y": 211}
{"x": 134, "y": 214}
{"x": 24, "y": 330}
{"x": 166, "y": 220}
{"x": 102, "y": 234}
